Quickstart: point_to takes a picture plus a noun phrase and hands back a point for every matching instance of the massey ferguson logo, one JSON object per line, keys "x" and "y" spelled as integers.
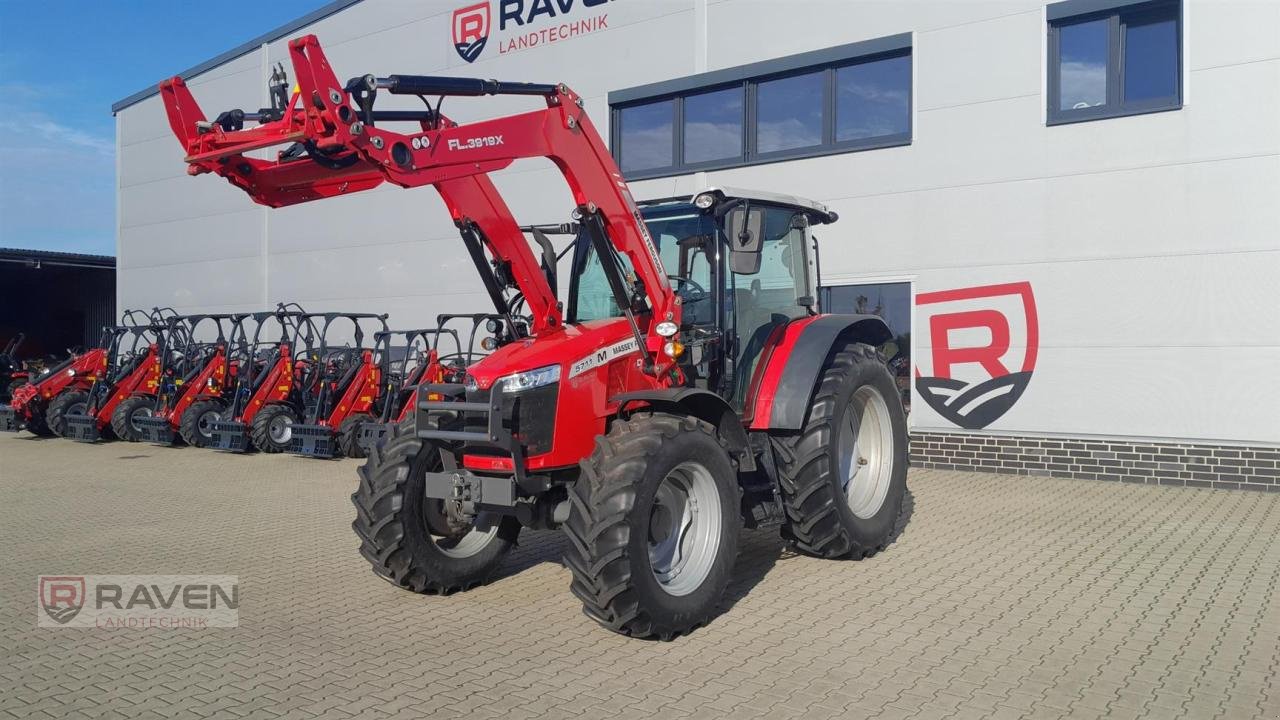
{"x": 984, "y": 342}
{"x": 471, "y": 30}
{"x": 62, "y": 596}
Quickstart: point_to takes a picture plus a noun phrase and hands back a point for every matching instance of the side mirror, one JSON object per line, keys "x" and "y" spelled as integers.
{"x": 744, "y": 226}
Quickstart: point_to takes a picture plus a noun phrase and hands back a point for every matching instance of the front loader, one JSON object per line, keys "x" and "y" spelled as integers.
{"x": 345, "y": 389}
{"x": 691, "y": 384}
{"x": 195, "y": 373}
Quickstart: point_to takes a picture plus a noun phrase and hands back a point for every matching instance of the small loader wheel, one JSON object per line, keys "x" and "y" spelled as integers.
{"x": 72, "y": 402}
{"x": 196, "y": 426}
{"x": 349, "y": 435}
{"x": 123, "y": 419}
{"x": 273, "y": 428}
{"x": 844, "y": 476}
{"x": 36, "y": 424}
{"x": 407, "y": 537}
{"x": 653, "y": 526}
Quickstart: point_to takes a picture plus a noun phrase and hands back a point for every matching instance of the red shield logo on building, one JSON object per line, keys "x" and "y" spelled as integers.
{"x": 982, "y": 350}
{"x": 471, "y": 30}
{"x": 62, "y": 596}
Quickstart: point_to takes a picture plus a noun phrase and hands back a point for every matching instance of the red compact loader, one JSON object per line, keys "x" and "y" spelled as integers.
{"x": 278, "y": 353}
{"x": 416, "y": 357}
{"x": 130, "y": 371}
{"x": 30, "y": 402}
{"x": 195, "y": 373}
{"x": 689, "y": 386}
{"x": 342, "y": 389}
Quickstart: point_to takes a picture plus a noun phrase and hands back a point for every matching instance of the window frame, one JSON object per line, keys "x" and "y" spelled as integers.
{"x": 748, "y": 77}
{"x": 1118, "y": 14}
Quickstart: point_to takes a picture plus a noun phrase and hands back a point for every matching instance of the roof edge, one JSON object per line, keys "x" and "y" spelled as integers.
{"x": 54, "y": 257}
{"x": 243, "y": 49}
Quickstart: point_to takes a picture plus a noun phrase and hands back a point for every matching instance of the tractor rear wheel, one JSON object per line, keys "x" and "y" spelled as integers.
{"x": 411, "y": 540}
{"x": 349, "y": 435}
{"x": 653, "y": 526}
{"x": 73, "y": 402}
{"x": 196, "y": 425}
{"x": 123, "y": 419}
{"x": 273, "y": 428}
{"x": 844, "y": 476}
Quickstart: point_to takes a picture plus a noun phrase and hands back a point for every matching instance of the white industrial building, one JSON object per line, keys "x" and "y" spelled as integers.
{"x": 1068, "y": 212}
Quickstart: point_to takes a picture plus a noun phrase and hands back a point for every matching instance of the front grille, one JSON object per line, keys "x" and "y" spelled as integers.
{"x": 230, "y": 435}
{"x": 82, "y": 428}
{"x": 311, "y": 440}
{"x": 154, "y": 429}
{"x": 9, "y": 420}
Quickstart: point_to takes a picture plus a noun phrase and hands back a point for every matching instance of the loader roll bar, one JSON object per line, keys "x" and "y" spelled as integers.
{"x": 352, "y": 155}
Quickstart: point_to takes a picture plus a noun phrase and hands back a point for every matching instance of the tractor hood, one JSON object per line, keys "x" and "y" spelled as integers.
{"x": 574, "y": 350}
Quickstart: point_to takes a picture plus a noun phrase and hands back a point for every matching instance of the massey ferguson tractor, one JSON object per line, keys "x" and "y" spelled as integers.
{"x": 689, "y": 386}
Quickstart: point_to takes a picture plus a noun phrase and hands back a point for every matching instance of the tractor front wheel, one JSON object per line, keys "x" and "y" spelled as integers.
{"x": 124, "y": 418}
{"x": 844, "y": 476}
{"x": 196, "y": 425}
{"x": 273, "y": 428}
{"x": 73, "y": 402}
{"x": 412, "y": 541}
{"x": 653, "y": 526}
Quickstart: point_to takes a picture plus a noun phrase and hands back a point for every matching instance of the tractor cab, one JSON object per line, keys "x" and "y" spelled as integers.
{"x": 743, "y": 264}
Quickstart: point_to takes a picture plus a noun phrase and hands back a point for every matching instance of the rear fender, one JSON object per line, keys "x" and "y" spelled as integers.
{"x": 702, "y": 404}
{"x": 793, "y": 364}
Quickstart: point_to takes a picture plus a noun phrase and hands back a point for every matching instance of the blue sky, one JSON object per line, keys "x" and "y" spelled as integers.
{"x": 62, "y": 64}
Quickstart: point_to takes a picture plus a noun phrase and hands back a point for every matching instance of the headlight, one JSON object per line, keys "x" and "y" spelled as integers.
{"x": 704, "y": 201}
{"x": 529, "y": 379}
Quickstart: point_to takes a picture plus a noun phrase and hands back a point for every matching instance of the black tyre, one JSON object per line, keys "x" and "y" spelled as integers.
{"x": 653, "y": 526}
{"x": 73, "y": 402}
{"x": 410, "y": 539}
{"x": 349, "y": 435}
{"x": 124, "y": 417}
{"x": 273, "y": 428}
{"x": 196, "y": 424}
{"x": 36, "y": 424}
{"x": 844, "y": 476}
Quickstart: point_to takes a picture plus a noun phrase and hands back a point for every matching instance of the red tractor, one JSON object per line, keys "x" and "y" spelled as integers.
{"x": 123, "y": 389}
{"x": 195, "y": 373}
{"x": 343, "y": 389}
{"x": 690, "y": 385}
{"x": 262, "y": 402}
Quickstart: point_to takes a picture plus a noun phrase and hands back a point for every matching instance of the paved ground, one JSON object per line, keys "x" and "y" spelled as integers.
{"x": 1002, "y": 597}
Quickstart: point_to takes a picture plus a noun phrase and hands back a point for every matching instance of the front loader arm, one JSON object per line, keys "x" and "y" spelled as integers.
{"x": 338, "y": 120}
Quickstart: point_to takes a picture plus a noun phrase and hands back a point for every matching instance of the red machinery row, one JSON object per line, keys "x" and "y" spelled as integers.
{"x": 286, "y": 380}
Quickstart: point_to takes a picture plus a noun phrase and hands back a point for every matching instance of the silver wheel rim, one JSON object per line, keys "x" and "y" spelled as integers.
{"x": 280, "y": 429}
{"x": 473, "y": 541}
{"x": 684, "y": 528}
{"x": 204, "y": 425}
{"x": 866, "y": 452}
{"x": 141, "y": 412}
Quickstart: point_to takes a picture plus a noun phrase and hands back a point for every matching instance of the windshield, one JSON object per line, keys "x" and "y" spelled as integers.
{"x": 681, "y": 233}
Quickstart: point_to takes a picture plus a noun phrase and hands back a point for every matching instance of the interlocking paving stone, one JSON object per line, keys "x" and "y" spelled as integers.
{"x": 1002, "y": 596}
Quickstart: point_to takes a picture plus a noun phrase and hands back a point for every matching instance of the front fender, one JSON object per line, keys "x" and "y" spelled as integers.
{"x": 702, "y": 404}
{"x": 793, "y": 363}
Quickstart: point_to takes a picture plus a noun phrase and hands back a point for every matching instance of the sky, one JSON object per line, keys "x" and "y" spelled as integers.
{"x": 62, "y": 65}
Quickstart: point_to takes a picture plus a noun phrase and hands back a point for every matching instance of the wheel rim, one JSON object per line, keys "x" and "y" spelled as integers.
{"x": 139, "y": 413}
{"x": 281, "y": 429}
{"x": 471, "y": 542}
{"x": 866, "y": 452}
{"x": 684, "y": 528}
{"x": 205, "y": 424}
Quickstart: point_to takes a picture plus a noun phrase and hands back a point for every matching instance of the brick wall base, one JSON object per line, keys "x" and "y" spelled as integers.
{"x": 1218, "y": 466}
